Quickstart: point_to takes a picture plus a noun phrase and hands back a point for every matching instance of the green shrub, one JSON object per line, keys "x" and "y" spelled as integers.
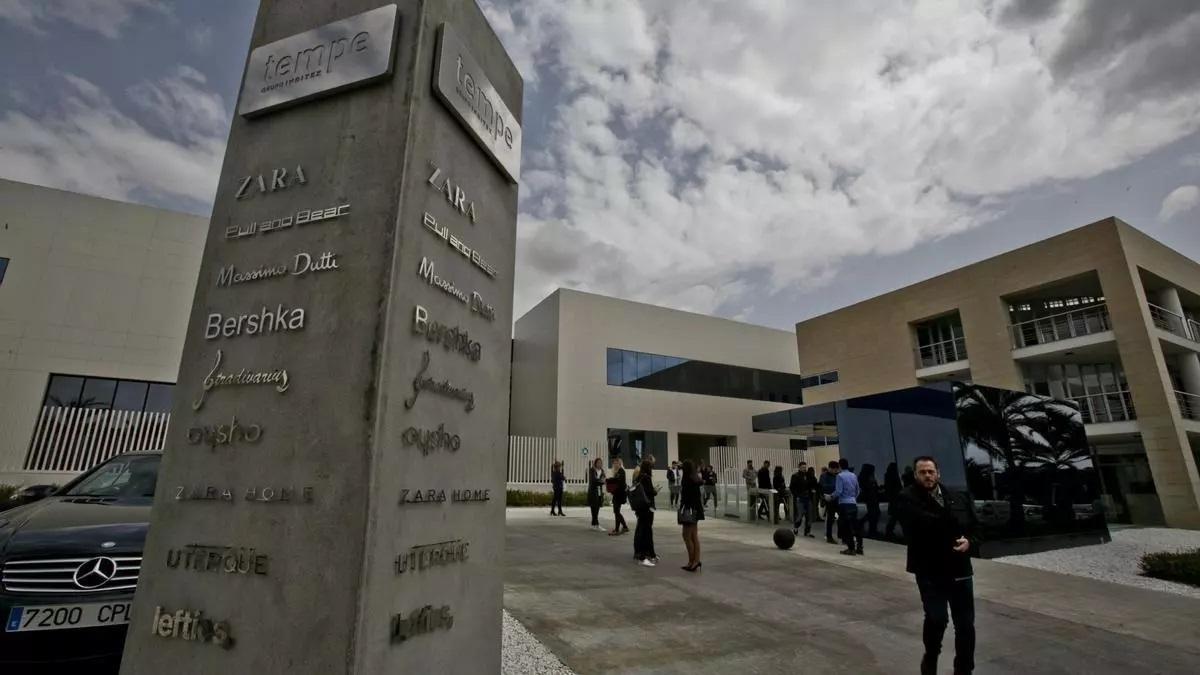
{"x": 6, "y": 491}
{"x": 529, "y": 498}
{"x": 1181, "y": 566}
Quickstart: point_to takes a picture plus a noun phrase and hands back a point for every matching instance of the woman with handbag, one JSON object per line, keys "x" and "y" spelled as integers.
{"x": 691, "y": 512}
{"x": 641, "y": 498}
{"x": 595, "y": 495}
{"x": 619, "y": 488}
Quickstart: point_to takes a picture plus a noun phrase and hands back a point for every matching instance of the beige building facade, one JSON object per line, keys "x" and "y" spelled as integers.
{"x": 94, "y": 301}
{"x": 1102, "y": 315}
{"x": 648, "y": 378}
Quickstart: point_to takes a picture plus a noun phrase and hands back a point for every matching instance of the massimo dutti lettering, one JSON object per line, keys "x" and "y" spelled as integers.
{"x": 266, "y": 321}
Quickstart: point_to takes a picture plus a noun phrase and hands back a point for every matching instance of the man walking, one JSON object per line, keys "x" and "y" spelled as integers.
{"x": 845, "y": 495}
{"x": 941, "y": 528}
{"x": 764, "y": 490}
{"x": 673, "y": 482}
{"x": 710, "y": 485}
{"x": 828, "y": 483}
{"x": 801, "y": 500}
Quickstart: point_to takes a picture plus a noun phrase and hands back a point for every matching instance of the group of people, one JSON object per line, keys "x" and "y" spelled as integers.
{"x": 639, "y": 492}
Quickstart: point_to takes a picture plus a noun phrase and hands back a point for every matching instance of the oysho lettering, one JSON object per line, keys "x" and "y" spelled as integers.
{"x": 431, "y": 440}
{"x": 224, "y": 434}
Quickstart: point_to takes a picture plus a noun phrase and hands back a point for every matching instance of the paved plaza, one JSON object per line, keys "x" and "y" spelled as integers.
{"x": 756, "y": 609}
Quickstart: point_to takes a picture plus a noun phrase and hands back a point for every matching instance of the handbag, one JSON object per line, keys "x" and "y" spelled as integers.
{"x": 610, "y": 485}
{"x": 687, "y": 515}
{"x": 637, "y": 497}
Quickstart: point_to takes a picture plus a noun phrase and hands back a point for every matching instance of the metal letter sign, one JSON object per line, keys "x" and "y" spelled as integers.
{"x": 336, "y": 56}
{"x": 462, "y": 85}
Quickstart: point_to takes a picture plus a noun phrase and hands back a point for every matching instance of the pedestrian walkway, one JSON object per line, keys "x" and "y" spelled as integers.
{"x": 756, "y": 609}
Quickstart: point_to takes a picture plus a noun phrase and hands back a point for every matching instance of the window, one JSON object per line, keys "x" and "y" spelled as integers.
{"x": 3, "y": 268}
{"x": 106, "y": 393}
{"x": 670, "y": 373}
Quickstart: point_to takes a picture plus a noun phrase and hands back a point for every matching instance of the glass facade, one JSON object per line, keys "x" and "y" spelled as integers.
{"x": 1099, "y": 389}
{"x": 1023, "y": 458}
{"x": 3, "y": 268}
{"x": 940, "y": 341}
{"x": 688, "y": 376}
{"x": 631, "y": 445}
{"x": 104, "y": 393}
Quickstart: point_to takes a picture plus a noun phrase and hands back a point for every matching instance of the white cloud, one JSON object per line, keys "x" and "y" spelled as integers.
{"x": 200, "y": 37}
{"x": 106, "y": 17}
{"x": 694, "y": 146}
{"x": 88, "y": 144}
{"x": 1181, "y": 200}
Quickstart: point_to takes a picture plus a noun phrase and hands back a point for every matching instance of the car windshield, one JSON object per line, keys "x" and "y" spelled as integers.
{"x": 130, "y": 476}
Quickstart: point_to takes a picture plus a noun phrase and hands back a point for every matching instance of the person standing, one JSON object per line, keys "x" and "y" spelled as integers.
{"x": 782, "y": 496}
{"x": 942, "y": 532}
{"x": 801, "y": 492}
{"x": 870, "y": 496}
{"x": 691, "y": 512}
{"x": 643, "y": 534}
{"x": 620, "y": 494}
{"x": 891, "y": 492}
{"x": 710, "y": 484}
{"x": 673, "y": 482}
{"x": 764, "y": 490}
{"x": 828, "y": 485}
{"x": 751, "y": 478}
{"x": 595, "y": 495}
{"x": 558, "y": 481}
{"x": 845, "y": 496}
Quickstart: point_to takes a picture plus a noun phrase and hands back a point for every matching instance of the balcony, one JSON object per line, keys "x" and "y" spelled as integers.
{"x": 1166, "y": 320}
{"x": 941, "y": 353}
{"x": 1106, "y": 408}
{"x": 1189, "y": 405}
{"x": 1057, "y": 327}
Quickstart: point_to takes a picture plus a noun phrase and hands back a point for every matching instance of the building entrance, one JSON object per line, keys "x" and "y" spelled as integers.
{"x": 695, "y": 446}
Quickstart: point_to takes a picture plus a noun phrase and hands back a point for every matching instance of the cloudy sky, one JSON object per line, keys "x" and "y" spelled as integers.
{"x": 764, "y": 160}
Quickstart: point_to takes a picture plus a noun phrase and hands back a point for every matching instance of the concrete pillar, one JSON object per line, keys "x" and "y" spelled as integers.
{"x": 332, "y": 496}
{"x": 1189, "y": 372}
{"x": 1168, "y": 299}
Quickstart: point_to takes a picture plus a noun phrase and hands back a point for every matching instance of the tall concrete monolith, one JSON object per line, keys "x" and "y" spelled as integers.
{"x": 331, "y": 498}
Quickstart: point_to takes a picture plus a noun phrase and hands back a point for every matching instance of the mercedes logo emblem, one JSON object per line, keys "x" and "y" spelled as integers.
{"x": 95, "y": 573}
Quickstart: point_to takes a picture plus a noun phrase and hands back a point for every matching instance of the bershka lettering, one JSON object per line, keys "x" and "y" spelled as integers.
{"x": 280, "y": 320}
{"x": 454, "y": 193}
{"x": 190, "y": 625}
{"x": 425, "y": 271}
{"x": 459, "y": 245}
{"x": 450, "y": 338}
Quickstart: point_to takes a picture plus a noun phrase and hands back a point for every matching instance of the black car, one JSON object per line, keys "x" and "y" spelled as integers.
{"x": 69, "y": 564}
{"x": 27, "y": 495}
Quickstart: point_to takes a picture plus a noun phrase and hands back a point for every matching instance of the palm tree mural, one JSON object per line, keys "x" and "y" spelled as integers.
{"x": 1023, "y": 432}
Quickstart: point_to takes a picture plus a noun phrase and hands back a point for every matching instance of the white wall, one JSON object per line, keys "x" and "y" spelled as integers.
{"x": 586, "y": 406}
{"x": 93, "y": 287}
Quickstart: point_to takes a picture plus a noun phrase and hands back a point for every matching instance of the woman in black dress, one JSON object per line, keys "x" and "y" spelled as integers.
{"x": 643, "y": 536}
{"x": 620, "y": 493}
{"x": 691, "y": 512}
{"x": 595, "y": 497}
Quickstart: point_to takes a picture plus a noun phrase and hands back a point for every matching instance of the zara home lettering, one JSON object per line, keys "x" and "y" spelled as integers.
{"x": 438, "y": 496}
{"x": 459, "y": 245}
{"x": 280, "y": 180}
{"x": 263, "y": 495}
{"x": 263, "y": 322}
{"x": 303, "y": 264}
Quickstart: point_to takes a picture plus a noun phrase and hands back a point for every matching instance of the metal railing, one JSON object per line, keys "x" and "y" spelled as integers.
{"x": 1165, "y": 319}
{"x": 1189, "y": 405}
{"x": 530, "y": 457}
{"x": 76, "y": 439}
{"x": 1075, "y": 323}
{"x": 1116, "y": 406}
{"x": 939, "y": 353}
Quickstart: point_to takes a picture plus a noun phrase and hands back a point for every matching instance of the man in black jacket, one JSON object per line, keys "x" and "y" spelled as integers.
{"x": 941, "y": 527}
{"x": 764, "y": 485}
{"x": 802, "y": 500}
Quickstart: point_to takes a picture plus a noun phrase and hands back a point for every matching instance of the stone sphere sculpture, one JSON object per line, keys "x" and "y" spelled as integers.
{"x": 784, "y": 538}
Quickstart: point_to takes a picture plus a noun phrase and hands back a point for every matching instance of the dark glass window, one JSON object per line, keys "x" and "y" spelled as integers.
{"x": 131, "y": 395}
{"x": 105, "y": 393}
{"x": 3, "y": 268}
{"x": 671, "y": 373}
{"x": 632, "y": 445}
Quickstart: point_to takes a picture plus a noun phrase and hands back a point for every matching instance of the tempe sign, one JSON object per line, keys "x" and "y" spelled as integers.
{"x": 330, "y": 500}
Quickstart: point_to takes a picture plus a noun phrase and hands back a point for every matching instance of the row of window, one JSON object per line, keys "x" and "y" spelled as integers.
{"x": 1059, "y": 303}
{"x": 628, "y": 368}
{"x": 105, "y": 393}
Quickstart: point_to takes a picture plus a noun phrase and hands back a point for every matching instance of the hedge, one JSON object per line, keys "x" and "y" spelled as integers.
{"x": 1181, "y": 566}
{"x": 528, "y": 498}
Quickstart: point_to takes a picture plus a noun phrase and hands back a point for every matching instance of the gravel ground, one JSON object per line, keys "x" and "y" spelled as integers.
{"x": 523, "y": 654}
{"x": 1117, "y": 561}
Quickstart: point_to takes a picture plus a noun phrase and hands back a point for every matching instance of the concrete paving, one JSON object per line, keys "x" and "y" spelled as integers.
{"x": 756, "y": 609}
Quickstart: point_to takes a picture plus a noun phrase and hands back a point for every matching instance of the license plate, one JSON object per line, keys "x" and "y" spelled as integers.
{"x": 58, "y": 617}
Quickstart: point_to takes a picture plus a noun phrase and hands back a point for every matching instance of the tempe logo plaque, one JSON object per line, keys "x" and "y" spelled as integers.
{"x": 339, "y": 55}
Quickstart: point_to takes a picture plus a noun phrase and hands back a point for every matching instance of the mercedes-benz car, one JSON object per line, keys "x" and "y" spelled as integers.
{"x": 69, "y": 564}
